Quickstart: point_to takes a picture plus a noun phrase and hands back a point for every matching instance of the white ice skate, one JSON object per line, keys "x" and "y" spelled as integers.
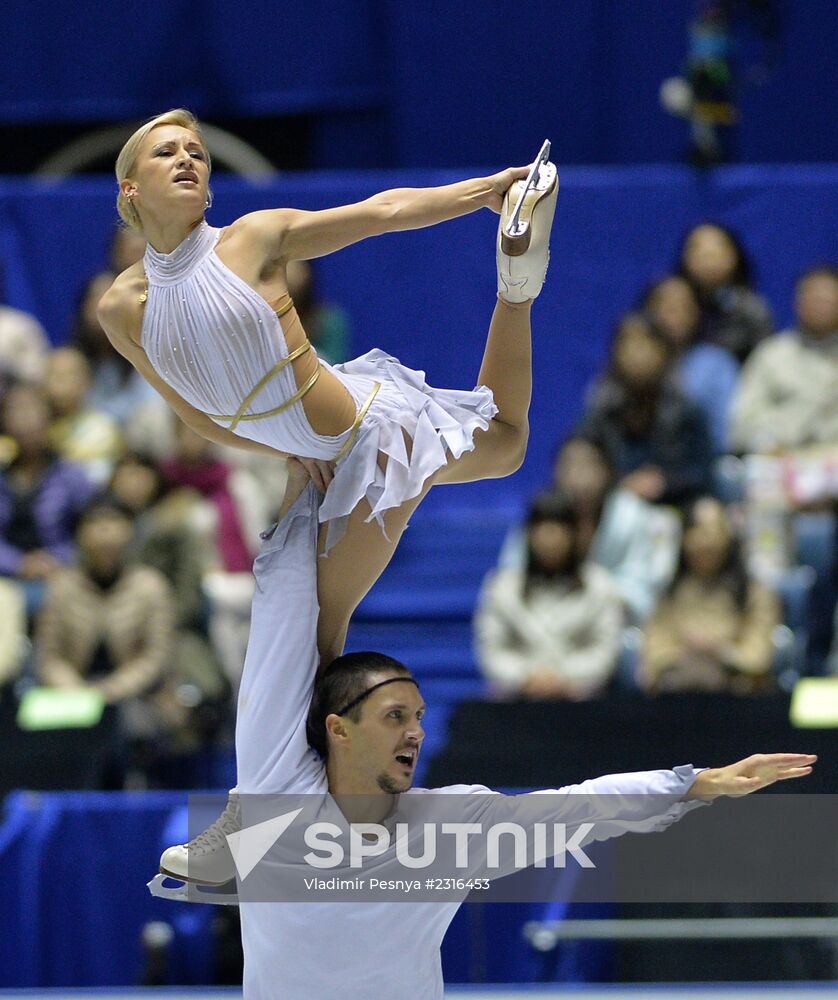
{"x": 523, "y": 246}
{"x": 204, "y": 867}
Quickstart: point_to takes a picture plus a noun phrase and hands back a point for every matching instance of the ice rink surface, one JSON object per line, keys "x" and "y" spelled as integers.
{"x": 692, "y": 991}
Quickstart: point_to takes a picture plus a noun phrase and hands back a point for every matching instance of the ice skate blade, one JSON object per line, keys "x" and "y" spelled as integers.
{"x": 193, "y": 892}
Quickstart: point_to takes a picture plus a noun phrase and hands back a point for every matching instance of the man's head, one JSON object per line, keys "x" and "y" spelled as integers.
{"x": 365, "y": 721}
{"x": 816, "y": 301}
{"x": 104, "y": 533}
{"x": 67, "y": 380}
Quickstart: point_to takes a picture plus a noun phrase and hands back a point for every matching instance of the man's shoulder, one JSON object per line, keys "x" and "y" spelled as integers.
{"x": 454, "y": 790}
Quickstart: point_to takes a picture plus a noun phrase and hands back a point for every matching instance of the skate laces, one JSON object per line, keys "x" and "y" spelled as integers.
{"x": 215, "y": 836}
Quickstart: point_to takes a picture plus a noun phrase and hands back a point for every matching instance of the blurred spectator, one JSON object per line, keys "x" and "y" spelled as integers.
{"x": 126, "y": 248}
{"x": 233, "y": 497}
{"x": 551, "y": 629}
{"x": 23, "y": 346}
{"x": 109, "y": 625}
{"x": 657, "y": 436}
{"x": 325, "y": 325}
{"x": 166, "y": 539}
{"x": 116, "y": 388}
{"x": 713, "y": 630}
{"x": 733, "y": 315}
{"x": 788, "y": 394}
{"x": 239, "y": 514}
{"x": 79, "y": 432}
{"x": 706, "y": 372}
{"x": 637, "y": 542}
{"x": 13, "y": 641}
{"x": 832, "y": 660}
{"x": 40, "y": 495}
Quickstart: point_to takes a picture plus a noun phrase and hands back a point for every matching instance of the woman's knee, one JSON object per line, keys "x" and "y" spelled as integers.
{"x": 512, "y": 449}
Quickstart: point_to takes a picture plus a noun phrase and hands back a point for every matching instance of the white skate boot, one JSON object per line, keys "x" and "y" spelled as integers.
{"x": 205, "y": 864}
{"x": 523, "y": 246}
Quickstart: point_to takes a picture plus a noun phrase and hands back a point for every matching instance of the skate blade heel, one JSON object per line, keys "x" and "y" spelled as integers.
{"x": 225, "y": 894}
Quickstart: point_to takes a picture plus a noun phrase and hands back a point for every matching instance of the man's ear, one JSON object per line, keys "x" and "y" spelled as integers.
{"x": 336, "y": 728}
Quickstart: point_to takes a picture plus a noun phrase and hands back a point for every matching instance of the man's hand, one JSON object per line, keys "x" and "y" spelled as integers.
{"x": 500, "y": 183}
{"x": 751, "y": 774}
{"x": 319, "y": 471}
{"x": 544, "y": 685}
{"x": 37, "y": 565}
{"x": 700, "y": 643}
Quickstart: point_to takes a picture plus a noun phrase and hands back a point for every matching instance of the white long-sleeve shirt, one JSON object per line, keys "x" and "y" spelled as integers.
{"x": 383, "y": 950}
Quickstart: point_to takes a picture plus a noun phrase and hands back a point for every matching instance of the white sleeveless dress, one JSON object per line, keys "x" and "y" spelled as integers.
{"x": 212, "y": 338}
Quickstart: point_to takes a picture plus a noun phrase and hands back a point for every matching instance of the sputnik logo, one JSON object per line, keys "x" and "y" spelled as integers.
{"x": 250, "y": 845}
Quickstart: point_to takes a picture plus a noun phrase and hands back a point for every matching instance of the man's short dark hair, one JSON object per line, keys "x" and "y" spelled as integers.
{"x": 344, "y": 680}
{"x": 104, "y": 505}
{"x": 819, "y": 271}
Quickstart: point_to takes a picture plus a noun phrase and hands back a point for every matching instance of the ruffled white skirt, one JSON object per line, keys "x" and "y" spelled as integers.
{"x": 440, "y": 423}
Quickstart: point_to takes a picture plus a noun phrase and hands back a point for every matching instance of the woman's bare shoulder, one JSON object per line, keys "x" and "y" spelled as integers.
{"x": 120, "y": 308}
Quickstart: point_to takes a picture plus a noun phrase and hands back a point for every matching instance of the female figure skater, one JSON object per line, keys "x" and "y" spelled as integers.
{"x": 206, "y": 318}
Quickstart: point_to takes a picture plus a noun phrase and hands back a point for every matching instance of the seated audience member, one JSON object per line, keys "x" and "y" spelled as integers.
{"x": 636, "y": 541}
{"x": 116, "y": 388}
{"x": 706, "y": 372}
{"x": 166, "y": 539}
{"x": 552, "y": 628}
{"x": 733, "y": 315}
{"x": 713, "y": 630}
{"x": 657, "y": 436}
{"x": 108, "y": 624}
{"x": 79, "y": 432}
{"x": 127, "y": 246}
{"x": 40, "y": 495}
{"x": 23, "y": 347}
{"x": 788, "y": 393}
{"x": 326, "y": 325}
{"x": 239, "y": 513}
{"x": 832, "y": 660}
{"x": 13, "y": 642}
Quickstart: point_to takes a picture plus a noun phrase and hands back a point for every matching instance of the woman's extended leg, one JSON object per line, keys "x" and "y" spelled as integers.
{"x": 356, "y": 562}
{"x": 507, "y": 371}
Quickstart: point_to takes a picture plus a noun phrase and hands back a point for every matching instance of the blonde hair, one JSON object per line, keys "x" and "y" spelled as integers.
{"x": 127, "y": 159}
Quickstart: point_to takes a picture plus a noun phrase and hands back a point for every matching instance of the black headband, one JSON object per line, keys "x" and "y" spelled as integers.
{"x": 375, "y": 687}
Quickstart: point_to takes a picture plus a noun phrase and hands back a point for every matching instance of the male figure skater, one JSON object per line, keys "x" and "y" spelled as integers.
{"x": 354, "y": 738}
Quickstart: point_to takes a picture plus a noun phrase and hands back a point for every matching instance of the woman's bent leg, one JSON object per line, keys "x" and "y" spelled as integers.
{"x": 352, "y": 566}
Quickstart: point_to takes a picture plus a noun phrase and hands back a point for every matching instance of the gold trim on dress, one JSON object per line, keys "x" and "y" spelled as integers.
{"x": 353, "y": 432}
{"x": 240, "y": 416}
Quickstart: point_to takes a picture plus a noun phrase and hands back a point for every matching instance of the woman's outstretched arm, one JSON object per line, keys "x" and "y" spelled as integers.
{"x": 293, "y": 234}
